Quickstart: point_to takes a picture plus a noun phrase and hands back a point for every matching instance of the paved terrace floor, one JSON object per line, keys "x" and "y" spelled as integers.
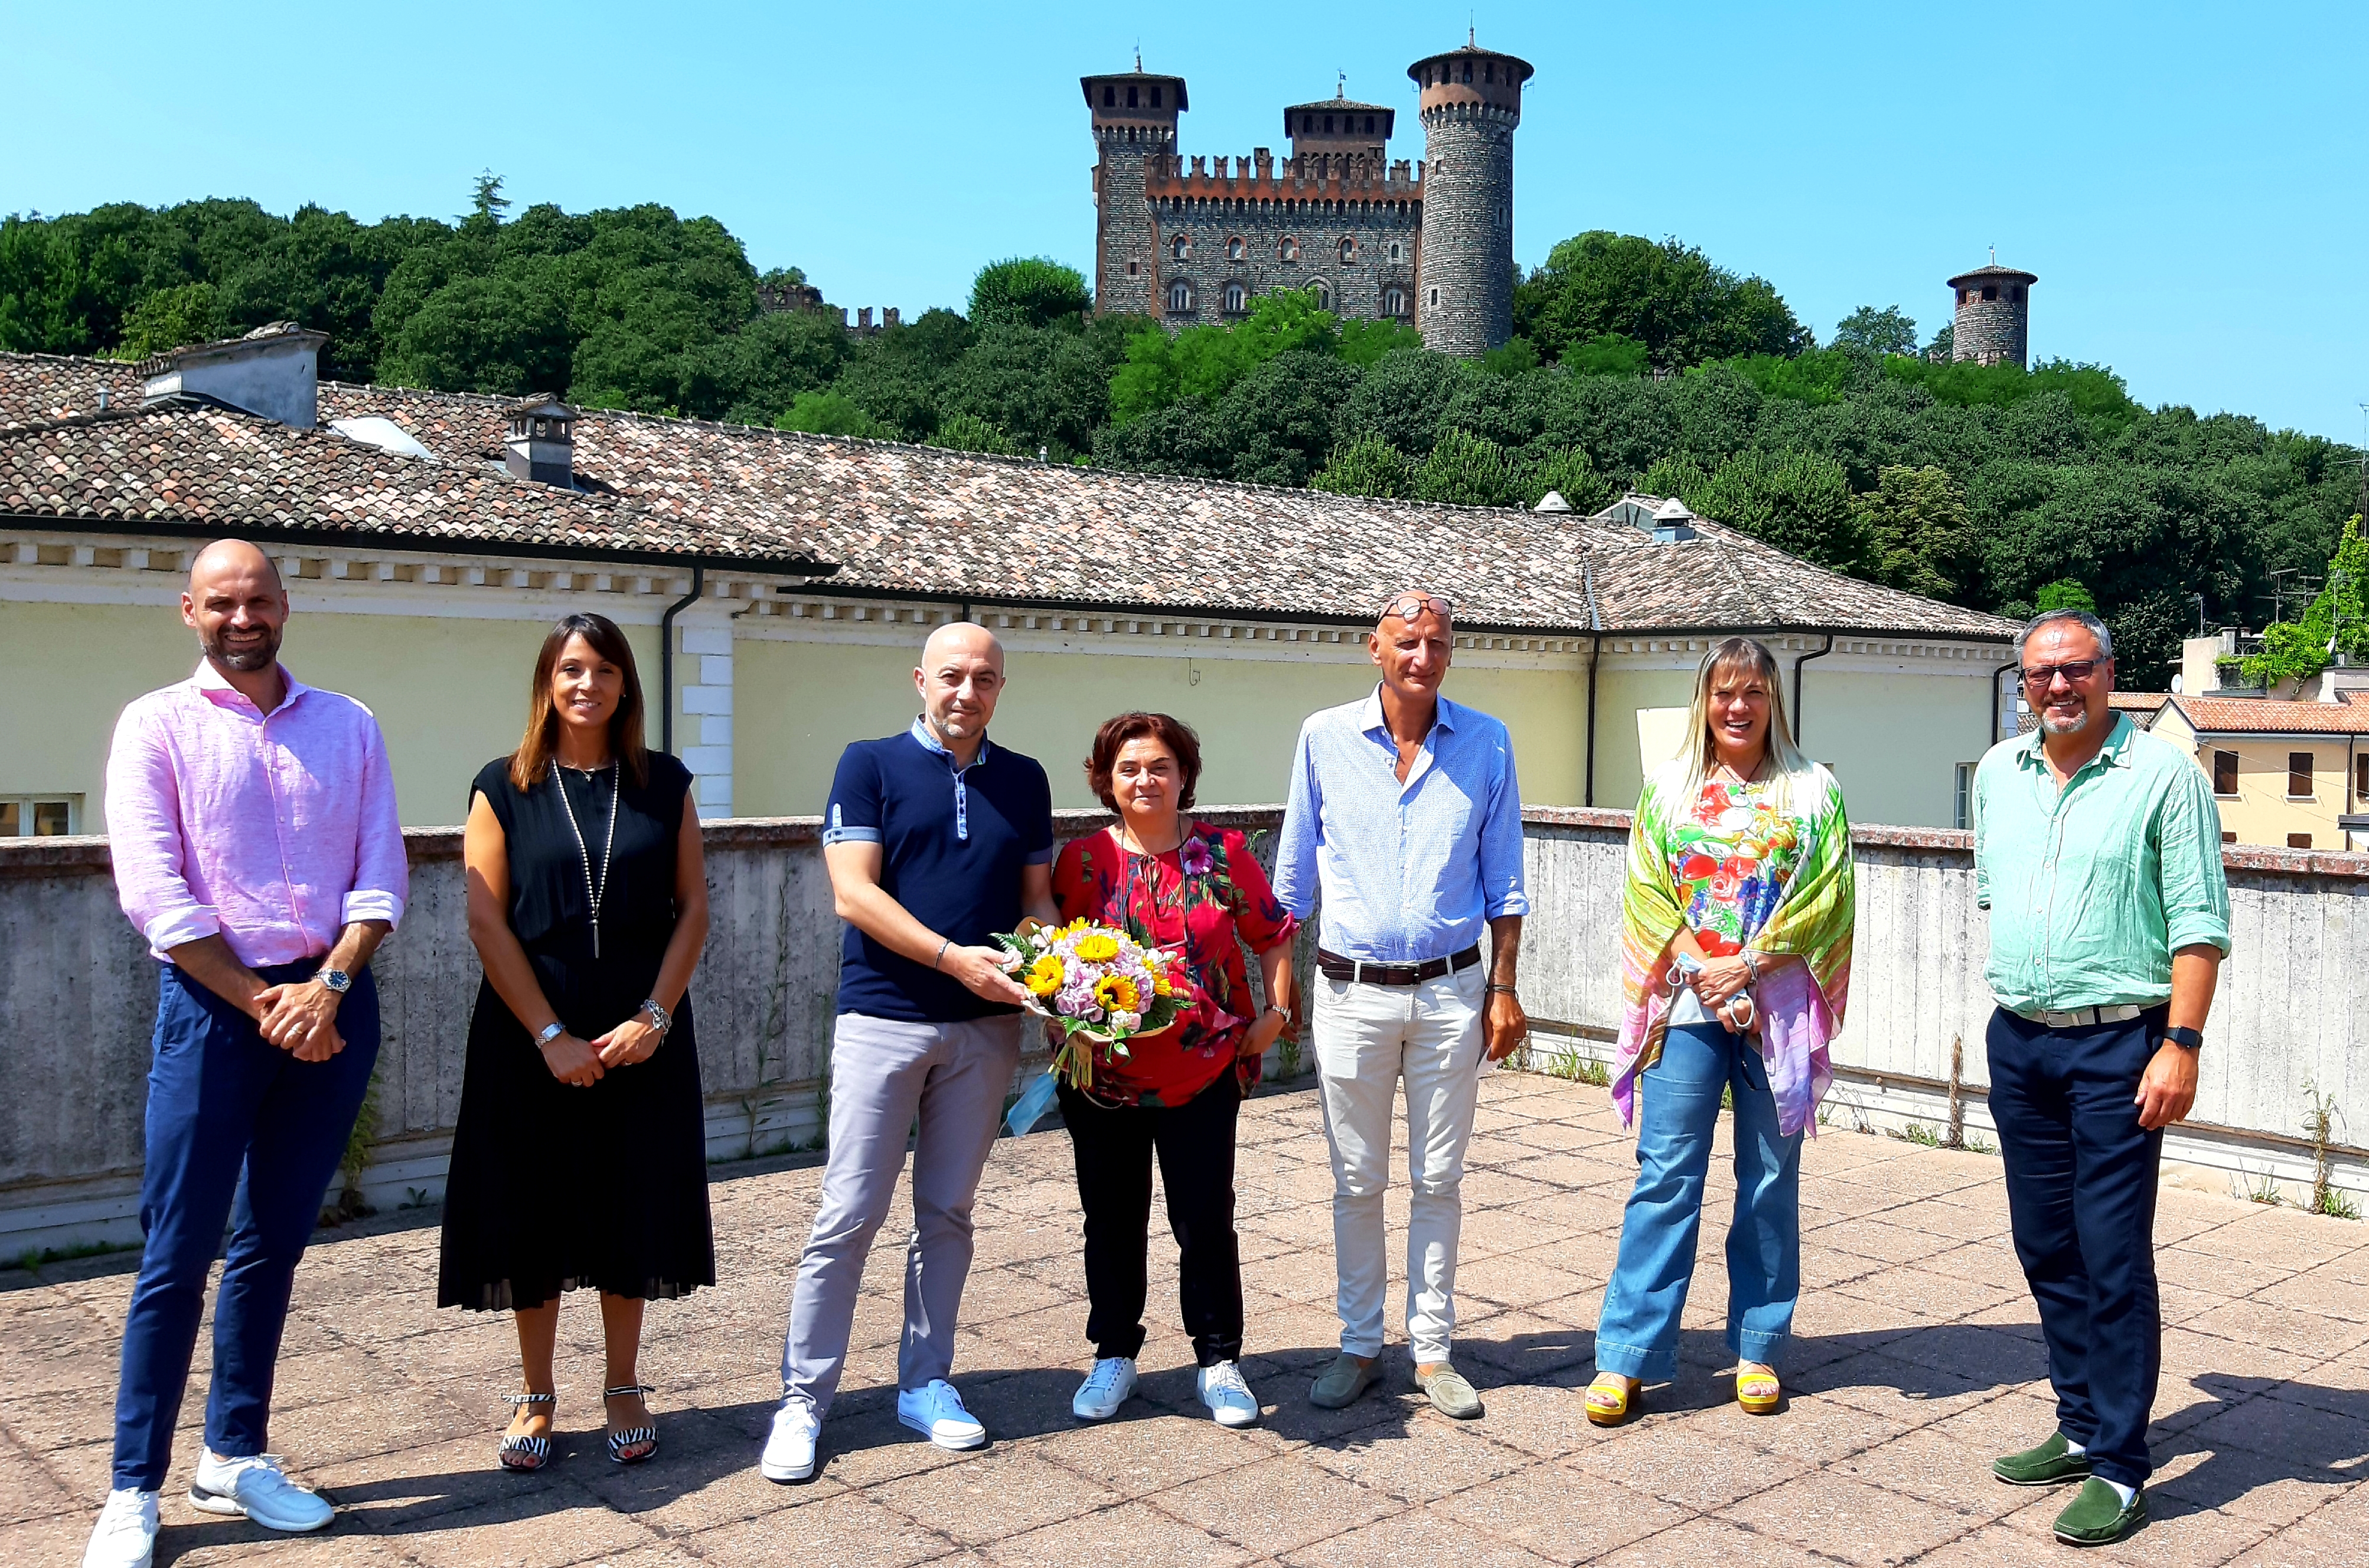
{"x": 1917, "y": 1360}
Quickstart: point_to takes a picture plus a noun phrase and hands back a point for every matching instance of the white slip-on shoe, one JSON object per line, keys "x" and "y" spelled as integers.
{"x": 1229, "y": 1397}
{"x": 937, "y": 1413}
{"x": 125, "y": 1536}
{"x": 790, "y": 1446}
{"x": 258, "y": 1488}
{"x": 1108, "y": 1386}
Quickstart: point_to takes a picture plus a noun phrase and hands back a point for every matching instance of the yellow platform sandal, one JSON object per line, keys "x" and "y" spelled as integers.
{"x": 1611, "y": 1399}
{"x": 1757, "y": 1390}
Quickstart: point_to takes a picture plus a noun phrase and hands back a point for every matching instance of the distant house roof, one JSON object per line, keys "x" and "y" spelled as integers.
{"x": 2262, "y": 715}
{"x": 898, "y": 519}
{"x": 2141, "y": 705}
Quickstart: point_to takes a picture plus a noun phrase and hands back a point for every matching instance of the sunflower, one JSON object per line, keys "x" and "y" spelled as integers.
{"x": 1116, "y": 993}
{"x": 1045, "y": 975}
{"x": 1097, "y": 948}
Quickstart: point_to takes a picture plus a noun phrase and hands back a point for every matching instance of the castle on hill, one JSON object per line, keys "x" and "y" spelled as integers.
{"x": 1429, "y": 245}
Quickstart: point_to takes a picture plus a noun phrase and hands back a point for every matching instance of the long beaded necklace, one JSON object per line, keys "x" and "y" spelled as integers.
{"x": 595, "y": 892}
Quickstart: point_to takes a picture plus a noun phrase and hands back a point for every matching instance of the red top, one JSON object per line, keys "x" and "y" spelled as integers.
{"x": 1205, "y": 898}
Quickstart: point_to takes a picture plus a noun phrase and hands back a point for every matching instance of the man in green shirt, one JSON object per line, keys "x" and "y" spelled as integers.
{"x": 2097, "y": 853}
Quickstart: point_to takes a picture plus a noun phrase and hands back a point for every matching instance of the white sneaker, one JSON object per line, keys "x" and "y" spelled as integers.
{"x": 790, "y": 1449}
{"x": 938, "y": 1415}
{"x": 1226, "y": 1395}
{"x": 125, "y": 1536}
{"x": 259, "y": 1489}
{"x": 1107, "y": 1387}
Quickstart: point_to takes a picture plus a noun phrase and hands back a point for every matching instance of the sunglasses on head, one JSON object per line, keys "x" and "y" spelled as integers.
{"x": 1407, "y": 606}
{"x": 2040, "y": 677}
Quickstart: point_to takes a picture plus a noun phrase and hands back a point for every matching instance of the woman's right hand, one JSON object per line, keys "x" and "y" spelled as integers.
{"x": 1720, "y": 980}
{"x": 575, "y": 1061}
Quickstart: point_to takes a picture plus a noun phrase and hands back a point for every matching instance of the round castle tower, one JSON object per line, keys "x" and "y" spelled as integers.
{"x": 1994, "y": 316}
{"x": 1471, "y": 100}
{"x": 1134, "y": 121}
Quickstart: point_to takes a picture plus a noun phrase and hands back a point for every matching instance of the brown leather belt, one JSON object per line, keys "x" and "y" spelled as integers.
{"x": 1358, "y": 971}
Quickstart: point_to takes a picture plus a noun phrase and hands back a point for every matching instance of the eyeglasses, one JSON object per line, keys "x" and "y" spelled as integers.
{"x": 1407, "y": 606}
{"x": 2040, "y": 677}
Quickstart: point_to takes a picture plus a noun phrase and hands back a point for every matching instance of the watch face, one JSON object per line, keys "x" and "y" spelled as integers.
{"x": 336, "y": 980}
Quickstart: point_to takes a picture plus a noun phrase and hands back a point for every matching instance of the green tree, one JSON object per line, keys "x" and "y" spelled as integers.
{"x": 1205, "y": 361}
{"x": 1568, "y": 472}
{"x": 1797, "y": 501}
{"x": 1886, "y": 331}
{"x": 969, "y": 432}
{"x": 2336, "y": 622}
{"x": 1919, "y": 518}
{"x": 1048, "y": 388}
{"x": 1027, "y": 291}
{"x": 1608, "y": 353}
{"x": 169, "y": 318}
{"x": 1367, "y": 467}
{"x": 831, "y": 412}
{"x": 1667, "y": 296}
{"x": 2065, "y": 593}
{"x": 502, "y": 334}
{"x": 1466, "y": 470}
{"x": 487, "y": 200}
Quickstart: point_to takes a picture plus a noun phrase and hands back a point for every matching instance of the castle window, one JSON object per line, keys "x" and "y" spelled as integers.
{"x": 1182, "y": 247}
{"x": 1348, "y": 250}
{"x": 1468, "y": 72}
{"x": 2016, "y": 293}
{"x": 1234, "y": 248}
{"x": 1133, "y": 268}
{"x": 1130, "y": 95}
{"x": 1155, "y": 97}
{"x": 1110, "y": 94}
{"x": 1323, "y": 294}
{"x": 1328, "y": 125}
{"x": 1287, "y": 249}
{"x": 1370, "y": 125}
{"x": 1236, "y": 299}
{"x": 1488, "y": 70}
{"x": 1398, "y": 251}
{"x": 1180, "y": 295}
{"x": 1433, "y": 302}
{"x": 1394, "y": 301}
{"x": 1990, "y": 290}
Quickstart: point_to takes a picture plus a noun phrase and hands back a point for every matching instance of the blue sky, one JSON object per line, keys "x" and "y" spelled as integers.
{"x": 2187, "y": 180}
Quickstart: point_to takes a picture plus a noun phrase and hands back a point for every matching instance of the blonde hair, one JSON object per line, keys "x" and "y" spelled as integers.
{"x": 1798, "y": 786}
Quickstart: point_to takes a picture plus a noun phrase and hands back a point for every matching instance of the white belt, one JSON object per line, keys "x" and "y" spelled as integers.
{"x": 2083, "y": 1017}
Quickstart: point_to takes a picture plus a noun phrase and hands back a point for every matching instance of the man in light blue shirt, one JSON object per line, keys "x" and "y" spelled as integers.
{"x": 1406, "y": 817}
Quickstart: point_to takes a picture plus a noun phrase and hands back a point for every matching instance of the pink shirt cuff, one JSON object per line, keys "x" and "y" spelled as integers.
{"x": 372, "y": 904}
{"x": 168, "y": 931}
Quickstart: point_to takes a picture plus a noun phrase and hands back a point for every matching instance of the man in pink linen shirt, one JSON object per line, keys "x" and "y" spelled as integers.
{"x": 258, "y": 848}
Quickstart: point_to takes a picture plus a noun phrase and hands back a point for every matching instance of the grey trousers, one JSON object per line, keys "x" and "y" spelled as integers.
{"x": 885, "y": 1074}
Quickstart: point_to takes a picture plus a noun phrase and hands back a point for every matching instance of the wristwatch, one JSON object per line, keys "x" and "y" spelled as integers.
{"x": 551, "y": 1032}
{"x": 337, "y": 980}
{"x": 1280, "y": 1011}
{"x": 2186, "y": 1039}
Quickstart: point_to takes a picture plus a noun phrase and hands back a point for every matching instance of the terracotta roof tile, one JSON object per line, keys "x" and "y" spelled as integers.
{"x": 2262, "y": 715}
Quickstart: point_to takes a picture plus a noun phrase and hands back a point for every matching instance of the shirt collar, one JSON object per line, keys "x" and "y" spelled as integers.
{"x": 929, "y": 742}
{"x": 2114, "y": 754}
{"x": 218, "y": 690}
{"x": 1443, "y": 714}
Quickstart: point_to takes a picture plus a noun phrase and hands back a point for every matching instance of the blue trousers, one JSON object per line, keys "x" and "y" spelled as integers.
{"x": 239, "y": 1133}
{"x": 1637, "y": 1334}
{"x": 2080, "y": 1198}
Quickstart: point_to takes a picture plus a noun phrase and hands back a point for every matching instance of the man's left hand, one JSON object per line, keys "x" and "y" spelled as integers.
{"x": 1508, "y": 1025}
{"x": 2167, "y": 1089}
{"x": 301, "y": 1018}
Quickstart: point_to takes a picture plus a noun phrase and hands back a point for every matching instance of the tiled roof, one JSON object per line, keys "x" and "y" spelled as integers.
{"x": 950, "y": 524}
{"x": 192, "y": 468}
{"x": 927, "y": 521}
{"x": 2262, "y": 715}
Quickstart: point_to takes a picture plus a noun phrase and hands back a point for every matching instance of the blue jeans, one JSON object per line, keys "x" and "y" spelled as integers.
{"x": 239, "y": 1132}
{"x": 1637, "y": 1334}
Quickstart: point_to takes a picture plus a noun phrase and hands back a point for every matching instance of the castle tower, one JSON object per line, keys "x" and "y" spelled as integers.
{"x": 1337, "y": 126}
{"x": 1994, "y": 317}
{"x": 1134, "y": 122}
{"x": 1471, "y": 100}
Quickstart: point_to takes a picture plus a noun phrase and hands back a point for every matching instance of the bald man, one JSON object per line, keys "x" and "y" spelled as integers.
{"x": 258, "y": 849}
{"x": 935, "y": 840}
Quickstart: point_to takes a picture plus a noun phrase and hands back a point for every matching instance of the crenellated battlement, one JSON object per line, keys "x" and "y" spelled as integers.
{"x": 1261, "y": 176}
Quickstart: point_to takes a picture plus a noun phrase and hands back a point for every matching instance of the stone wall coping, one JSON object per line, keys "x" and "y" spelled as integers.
{"x": 87, "y": 854}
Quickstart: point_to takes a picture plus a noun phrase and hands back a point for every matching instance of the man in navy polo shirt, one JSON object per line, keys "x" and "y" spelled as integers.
{"x": 935, "y": 840}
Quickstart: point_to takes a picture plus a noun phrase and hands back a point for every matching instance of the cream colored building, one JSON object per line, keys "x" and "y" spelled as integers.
{"x": 792, "y": 578}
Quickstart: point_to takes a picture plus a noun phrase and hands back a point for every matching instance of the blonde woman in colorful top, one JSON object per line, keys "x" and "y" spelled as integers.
{"x": 1735, "y": 963}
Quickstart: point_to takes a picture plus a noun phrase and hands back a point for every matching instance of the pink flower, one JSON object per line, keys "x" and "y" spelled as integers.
{"x": 1194, "y": 858}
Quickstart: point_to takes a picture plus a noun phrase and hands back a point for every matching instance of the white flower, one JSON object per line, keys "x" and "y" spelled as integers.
{"x": 1125, "y": 1021}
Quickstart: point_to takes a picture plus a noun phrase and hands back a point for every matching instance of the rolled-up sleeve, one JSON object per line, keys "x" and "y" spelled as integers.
{"x": 143, "y": 826}
{"x": 2195, "y": 887}
{"x": 1295, "y": 848}
{"x": 381, "y": 869}
{"x": 1503, "y": 889}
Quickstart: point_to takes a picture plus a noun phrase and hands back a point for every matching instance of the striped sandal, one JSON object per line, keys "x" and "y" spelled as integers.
{"x": 1758, "y": 1392}
{"x": 633, "y": 1437}
{"x": 1612, "y": 1398}
{"x": 520, "y": 1453}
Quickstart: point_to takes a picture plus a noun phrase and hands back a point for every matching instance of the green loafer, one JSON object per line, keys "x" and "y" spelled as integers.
{"x": 2047, "y": 1465}
{"x": 2097, "y": 1515}
{"x": 1449, "y": 1394}
{"x": 1342, "y": 1383}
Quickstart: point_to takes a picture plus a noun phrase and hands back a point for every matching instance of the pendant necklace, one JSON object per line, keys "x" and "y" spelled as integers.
{"x": 595, "y": 892}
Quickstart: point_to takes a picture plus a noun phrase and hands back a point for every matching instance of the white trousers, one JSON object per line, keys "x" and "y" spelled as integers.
{"x": 1368, "y": 1039}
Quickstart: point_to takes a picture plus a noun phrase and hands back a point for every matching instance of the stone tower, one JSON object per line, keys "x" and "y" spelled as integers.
{"x": 1135, "y": 131}
{"x": 1994, "y": 316}
{"x": 1471, "y": 100}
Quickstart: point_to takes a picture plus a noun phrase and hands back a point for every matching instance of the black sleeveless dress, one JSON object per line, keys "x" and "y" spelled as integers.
{"x": 554, "y": 1187}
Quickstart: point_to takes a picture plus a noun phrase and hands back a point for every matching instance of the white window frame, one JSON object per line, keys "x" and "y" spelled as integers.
{"x": 24, "y": 805}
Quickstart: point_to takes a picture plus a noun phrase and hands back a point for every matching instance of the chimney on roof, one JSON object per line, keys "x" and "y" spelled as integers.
{"x": 1673, "y": 523}
{"x": 1552, "y": 501}
{"x": 541, "y": 442}
{"x": 273, "y": 372}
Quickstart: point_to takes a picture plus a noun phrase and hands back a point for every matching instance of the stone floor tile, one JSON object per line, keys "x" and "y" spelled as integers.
{"x": 844, "y": 1531}
{"x": 1276, "y": 1504}
{"x": 1411, "y": 1538}
{"x": 1562, "y": 1514}
{"x": 1710, "y": 1542}
{"x": 1419, "y": 1461}
{"x": 1950, "y": 1470}
{"x": 1848, "y": 1521}
{"x": 562, "y": 1524}
{"x": 1130, "y": 1533}
{"x": 2255, "y": 1323}
{"x": 1677, "y": 1459}
{"x": 973, "y": 1504}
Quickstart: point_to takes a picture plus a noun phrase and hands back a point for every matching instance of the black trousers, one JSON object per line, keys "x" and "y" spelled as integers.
{"x": 2080, "y": 1194}
{"x": 1196, "y": 1145}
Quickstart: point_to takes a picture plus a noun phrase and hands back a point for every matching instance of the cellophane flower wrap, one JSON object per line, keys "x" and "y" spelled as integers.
{"x": 1099, "y": 986}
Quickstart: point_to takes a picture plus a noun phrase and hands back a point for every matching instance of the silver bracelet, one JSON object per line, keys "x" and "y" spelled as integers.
{"x": 661, "y": 1019}
{"x": 940, "y": 958}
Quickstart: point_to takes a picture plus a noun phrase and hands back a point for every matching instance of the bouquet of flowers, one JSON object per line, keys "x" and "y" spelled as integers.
{"x": 1098, "y": 984}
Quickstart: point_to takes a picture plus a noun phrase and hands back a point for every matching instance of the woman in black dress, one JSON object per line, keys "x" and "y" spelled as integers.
{"x": 580, "y": 1155}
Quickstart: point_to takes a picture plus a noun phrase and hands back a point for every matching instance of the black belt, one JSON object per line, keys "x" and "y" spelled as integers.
{"x": 1359, "y": 971}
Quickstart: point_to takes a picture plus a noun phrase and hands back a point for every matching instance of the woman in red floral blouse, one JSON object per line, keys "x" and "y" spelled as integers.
{"x": 1183, "y": 885}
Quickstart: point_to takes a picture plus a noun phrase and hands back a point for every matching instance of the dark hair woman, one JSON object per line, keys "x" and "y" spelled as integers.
{"x": 1196, "y": 890}
{"x": 580, "y": 1156}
